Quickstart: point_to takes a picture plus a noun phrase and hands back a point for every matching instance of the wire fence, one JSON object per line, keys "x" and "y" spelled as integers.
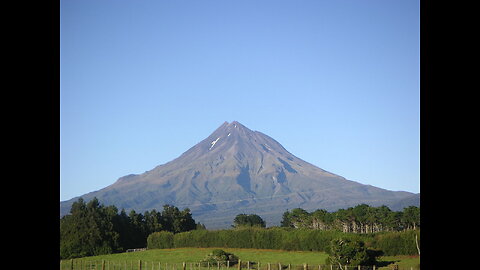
{"x": 85, "y": 264}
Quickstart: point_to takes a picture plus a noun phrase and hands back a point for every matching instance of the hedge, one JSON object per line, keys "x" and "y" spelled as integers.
{"x": 391, "y": 243}
{"x": 162, "y": 239}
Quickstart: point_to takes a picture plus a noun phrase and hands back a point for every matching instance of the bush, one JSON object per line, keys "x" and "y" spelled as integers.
{"x": 161, "y": 239}
{"x": 221, "y": 257}
{"x": 348, "y": 252}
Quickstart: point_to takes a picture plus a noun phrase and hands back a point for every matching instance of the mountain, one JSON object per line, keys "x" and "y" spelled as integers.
{"x": 236, "y": 170}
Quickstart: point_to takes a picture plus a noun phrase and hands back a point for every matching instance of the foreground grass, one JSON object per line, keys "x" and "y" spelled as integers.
{"x": 403, "y": 261}
{"x": 179, "y": 255}
{"x": 191, "y": 255}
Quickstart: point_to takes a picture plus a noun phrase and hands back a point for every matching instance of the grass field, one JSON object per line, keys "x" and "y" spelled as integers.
{"x": 156, "y": 258}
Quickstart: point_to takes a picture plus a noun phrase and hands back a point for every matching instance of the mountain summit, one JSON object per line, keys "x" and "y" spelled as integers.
{"x": 236, "y": 170}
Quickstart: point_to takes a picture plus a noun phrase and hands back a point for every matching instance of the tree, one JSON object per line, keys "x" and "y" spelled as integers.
{"x": 359, "y": 219}
{"x": 411, "y": 217}
{"x": 297, "y": 218}
{"x": 321, "y": 219}
{"x": 93, "y": 229}
{"x": 177, "y": 221}
{"x": 352, "y": 253}
{"x": 88, "y": 230}
{"x": 286, "y": 221}
{"x": 251, "y": 220}
{"x": 153, "y": 221}
{"x": 137, "y": 229}
{"x": 124, "y": 227}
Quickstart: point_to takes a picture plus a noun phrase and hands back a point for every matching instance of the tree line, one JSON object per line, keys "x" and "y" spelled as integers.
{"x": 359, "y": 219}
{"x": 93, "y": 229}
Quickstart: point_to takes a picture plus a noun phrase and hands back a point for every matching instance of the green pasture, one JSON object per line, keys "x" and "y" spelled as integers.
{"x": 172, "y": 259}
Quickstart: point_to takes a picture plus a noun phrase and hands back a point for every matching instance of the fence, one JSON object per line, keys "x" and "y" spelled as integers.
{"x": 85, "y": 264}
{"x": 136, "y": 249}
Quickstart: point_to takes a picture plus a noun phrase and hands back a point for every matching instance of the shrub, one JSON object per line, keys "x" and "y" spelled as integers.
{"x": 221, "y": 257}
{"x": 348, "y": 252}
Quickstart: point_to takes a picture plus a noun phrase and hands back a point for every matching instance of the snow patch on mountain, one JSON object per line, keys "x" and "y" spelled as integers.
{"x": 213, "y": 143}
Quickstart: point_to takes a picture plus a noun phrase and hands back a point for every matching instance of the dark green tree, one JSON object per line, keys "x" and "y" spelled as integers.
{"x": 251, "y": 220}
{"x": 177, "y": 221}
{"x": 137, "y": 229}
{"x": 126, "y": 231}
{"x": 88, "y": 230}
{"x": 297, "y": 218}
{"x": 286, "y": 221}
{"x": 153, "y": 221}
{"x": 93, "y": 229}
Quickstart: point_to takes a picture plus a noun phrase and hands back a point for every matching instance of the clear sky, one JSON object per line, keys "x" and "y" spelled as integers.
{"x": 336, "y": 82}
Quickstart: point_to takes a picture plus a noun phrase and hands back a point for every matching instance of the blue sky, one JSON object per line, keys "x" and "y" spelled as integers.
{"x": 337, "y": 83}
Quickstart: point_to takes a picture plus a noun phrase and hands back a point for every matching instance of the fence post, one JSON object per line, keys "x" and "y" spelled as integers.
{"x": 279, "y": 266}
{"x": 228, "y": 264}
{"x": 289, "y": 266}
{"x": 269, "y": 266}
{"x": 239, "y": 264}
{"x": 248, "y": 265}
{"x": 305, "y": 266}
{"x": 103, "y": 264}
{"x": 139, "y": 264}
{"x": 184, "y": 266}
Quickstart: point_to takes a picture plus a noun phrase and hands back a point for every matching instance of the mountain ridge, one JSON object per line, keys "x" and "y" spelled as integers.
{"x": 236, "y": 170}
